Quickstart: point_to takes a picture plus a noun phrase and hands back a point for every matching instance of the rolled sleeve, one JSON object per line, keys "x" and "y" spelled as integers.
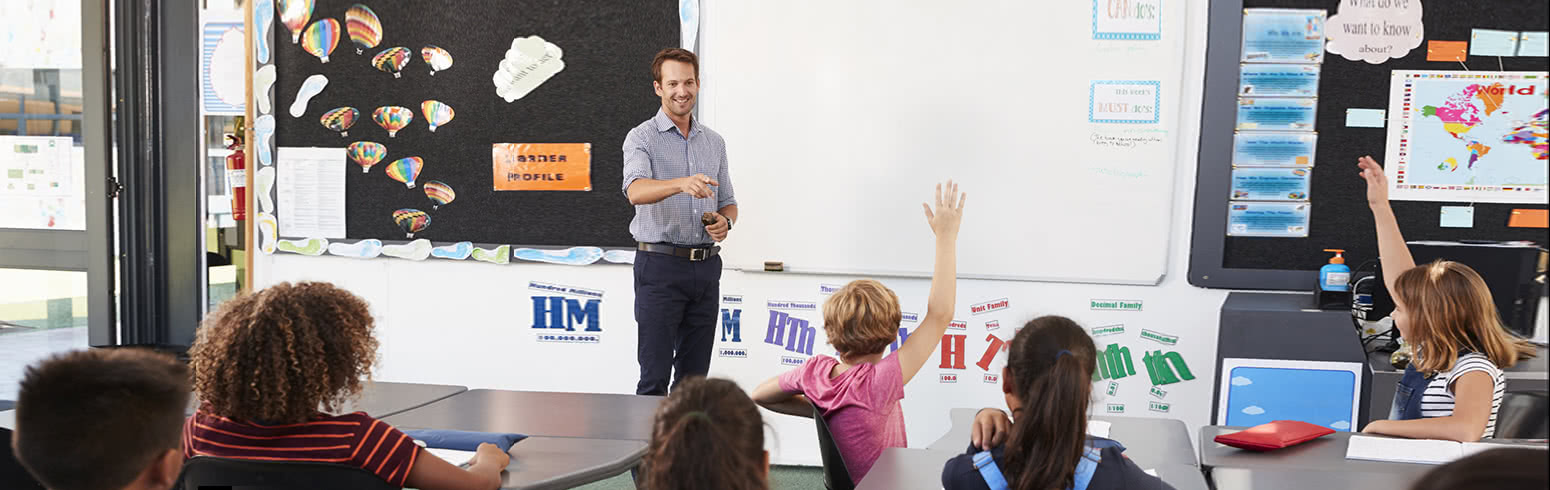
{"x": 637, "y": 161}
{"x": 724, "y": 193}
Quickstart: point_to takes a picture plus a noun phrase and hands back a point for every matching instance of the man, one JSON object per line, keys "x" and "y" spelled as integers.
{"x": 675, "y": 173}
{"x": 102, "y": 419}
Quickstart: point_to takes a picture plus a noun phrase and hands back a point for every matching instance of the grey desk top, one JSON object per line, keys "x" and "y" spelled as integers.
{"x": 1150, "y": 442}
{"x": 1532, "y": 368}
{"x": 1288, "y": 479}
{"x": 1325, "y": 453}
{"x": 904, "y": 469}
{"x": 586, "y": 415}
{"x": 8, "y": 420}
{"x": 567, "y": 462}
{"x": 384, "y": 398}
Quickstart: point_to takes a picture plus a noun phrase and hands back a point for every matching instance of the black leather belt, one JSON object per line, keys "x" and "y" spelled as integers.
{"x": 693, "y": 254}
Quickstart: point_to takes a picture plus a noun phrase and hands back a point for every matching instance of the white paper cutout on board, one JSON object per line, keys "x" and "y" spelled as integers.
{"x": 1375, "y": 31}
{"x": 688, "y": 23}
{"x": 529, "y": 63}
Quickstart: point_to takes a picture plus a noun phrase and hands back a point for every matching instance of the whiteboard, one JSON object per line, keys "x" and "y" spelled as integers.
{"x": 840, "y": 117}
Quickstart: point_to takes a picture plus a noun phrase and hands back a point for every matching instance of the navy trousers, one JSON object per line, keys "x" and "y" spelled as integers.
{"x": 675, "y": 316}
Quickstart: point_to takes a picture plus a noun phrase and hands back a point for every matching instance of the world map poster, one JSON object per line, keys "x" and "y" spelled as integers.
{"x": 1464, "y": 136}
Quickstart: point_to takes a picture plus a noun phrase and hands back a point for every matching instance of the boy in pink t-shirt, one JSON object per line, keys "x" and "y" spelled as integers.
{"x": 859, "y": 393}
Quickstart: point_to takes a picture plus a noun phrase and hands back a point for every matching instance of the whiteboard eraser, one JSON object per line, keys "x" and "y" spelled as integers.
{"x": 774, "y": 266}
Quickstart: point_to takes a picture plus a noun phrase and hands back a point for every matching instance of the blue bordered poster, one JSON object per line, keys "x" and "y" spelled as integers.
{"x": 1278, "y": 80}
{"x": 1129, "y": 20}
{"x": 1271, "y": 114}
{"x": 1283, "y": 36}
{"x": 1271, "y": 183}
{"x": 1268, "y": 219}
{"x": 1263, "y": 149}
{"x": 1124, "y": 101}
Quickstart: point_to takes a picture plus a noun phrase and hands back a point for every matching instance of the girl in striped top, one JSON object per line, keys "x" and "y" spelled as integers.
{"x": 265, "y": 362}
{"x": 1452, "y": 388}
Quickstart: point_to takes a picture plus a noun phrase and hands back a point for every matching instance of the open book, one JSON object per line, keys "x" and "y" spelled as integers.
{"x": 1424, "y": 451}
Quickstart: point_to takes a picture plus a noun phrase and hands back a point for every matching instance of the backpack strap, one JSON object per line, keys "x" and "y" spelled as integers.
{"x": 1085, "y": 467}
{"x": 988, "y": 470}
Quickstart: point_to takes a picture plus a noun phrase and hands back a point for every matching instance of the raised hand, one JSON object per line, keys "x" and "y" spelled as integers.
{"x": 948, "y": 213}
{"x": 1377, "y": 183}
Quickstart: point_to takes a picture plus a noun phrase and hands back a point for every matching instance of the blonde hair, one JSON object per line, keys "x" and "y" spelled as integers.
{"x": 1450, "y": 309}
{"x": 861, "y": 318}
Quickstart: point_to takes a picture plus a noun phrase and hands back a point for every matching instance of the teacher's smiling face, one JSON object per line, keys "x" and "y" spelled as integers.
{"x": 677, "y": 86}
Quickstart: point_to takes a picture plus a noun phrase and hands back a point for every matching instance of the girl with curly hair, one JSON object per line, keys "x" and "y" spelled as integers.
{"x": 272, "y": 369}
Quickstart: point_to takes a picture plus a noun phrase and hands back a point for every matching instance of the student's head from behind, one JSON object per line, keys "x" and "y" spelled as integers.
{"x": 102, "y": 419}
{"x": 276, "y": 354}
{"x": 676, "y": 77}
{"x": 707, "y": 435}
{"x": 861, "y": 318}
{"x": 1443, "y": 308}
{"x": 1048, "y": 384}
{"x": 1502, "y": 468}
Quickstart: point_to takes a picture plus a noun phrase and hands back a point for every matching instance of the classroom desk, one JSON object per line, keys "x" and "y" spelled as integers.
{"x": 1150, "y": 442}
{"x": 1287, "y": 479}
{"x": 587, "y": 415}
{"x": 566, "y": 462}
{"x": 8, "y": 420}
{"x": 384, "y": 398}
{"x": 1323, "y": 454}
{"x": 903, "y": 469}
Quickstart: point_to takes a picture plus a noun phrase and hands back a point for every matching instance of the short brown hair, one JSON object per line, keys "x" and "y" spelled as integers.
{"x": 861, "y": 318}
{"x": 675, "y": 54}
{"x": 1451, "y": 310}
{"x": 707, "y": 435}
{"x": 277, "y": 354}
{"x": 97, "y": 418}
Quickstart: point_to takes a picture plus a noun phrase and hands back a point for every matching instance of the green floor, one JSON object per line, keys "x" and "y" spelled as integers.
{"x": 781, "y": 478}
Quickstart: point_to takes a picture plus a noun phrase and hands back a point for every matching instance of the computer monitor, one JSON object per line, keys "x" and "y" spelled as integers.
{"x": 1257, "y": 391}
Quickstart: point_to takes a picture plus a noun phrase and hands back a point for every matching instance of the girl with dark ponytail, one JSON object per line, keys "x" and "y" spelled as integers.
{"x": 1048, "y": 384}
{"x": 707, "y": 435}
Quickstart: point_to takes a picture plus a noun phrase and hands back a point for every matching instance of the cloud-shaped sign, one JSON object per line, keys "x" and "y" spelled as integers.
{"x": 530, "y": 62}
{"x": 1342, "y": 425}
{"x": 1241, "y": 381}
{"x": 1375, "y": 30}
{"x": 1253, "y": 410}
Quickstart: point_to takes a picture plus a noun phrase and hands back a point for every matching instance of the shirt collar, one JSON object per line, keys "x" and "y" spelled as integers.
{"x": 665, "y": 124}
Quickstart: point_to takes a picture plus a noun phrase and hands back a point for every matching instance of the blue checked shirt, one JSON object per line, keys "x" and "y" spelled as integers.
{"x": 657, "y": 150}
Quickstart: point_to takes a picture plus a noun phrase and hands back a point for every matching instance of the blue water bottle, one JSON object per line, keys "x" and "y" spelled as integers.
{"x": 1335, "y": 276}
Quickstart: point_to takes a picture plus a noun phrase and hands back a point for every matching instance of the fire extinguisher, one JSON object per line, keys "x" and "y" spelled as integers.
{"x": 237, "y": 177}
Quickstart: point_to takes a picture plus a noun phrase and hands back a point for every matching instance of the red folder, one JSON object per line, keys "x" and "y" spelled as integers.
{"x": 1274, "y": 435}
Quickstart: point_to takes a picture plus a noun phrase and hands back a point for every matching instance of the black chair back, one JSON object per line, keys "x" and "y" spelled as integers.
{"x": 835, "y": 474}
{"x": 12, "y": 474}
{"x": 210, "y": 472}
{"x": 1523, "y": 415}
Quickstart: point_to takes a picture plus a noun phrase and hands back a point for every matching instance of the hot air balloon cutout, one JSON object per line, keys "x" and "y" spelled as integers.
{"x": 391, "y": 60}
{"x": 365, "y": 30}
{"x": 366, "y": 153}
{"x": 436, "y": 113}
{"x": 340, "y": 120}
{"x": 439, "y": 192}
{"x": 438, "y": 58}
{"x": 321, "y": 38}
{"x": 393, "y": 118}
{"x": 295, "y": 14}
{"x": 411, "y": 221}
{"x": 405, "y": 170}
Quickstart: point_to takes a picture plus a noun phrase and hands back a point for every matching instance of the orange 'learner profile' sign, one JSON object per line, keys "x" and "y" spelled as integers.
{"x": 542, "y": 166}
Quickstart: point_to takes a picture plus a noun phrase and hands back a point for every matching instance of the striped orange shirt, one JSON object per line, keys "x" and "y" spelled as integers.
{"x": 353, "y": 439}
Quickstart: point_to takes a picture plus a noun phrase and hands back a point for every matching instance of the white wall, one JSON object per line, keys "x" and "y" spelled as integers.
{"x": 470, "y": 323}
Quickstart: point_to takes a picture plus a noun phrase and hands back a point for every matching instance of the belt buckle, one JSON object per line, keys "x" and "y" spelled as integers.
{"x": 698, "y": 254}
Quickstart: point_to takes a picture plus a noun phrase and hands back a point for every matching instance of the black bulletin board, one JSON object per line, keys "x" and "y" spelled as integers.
{"x": 604, "y": 91}
{"x": 1340, "y": 217}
